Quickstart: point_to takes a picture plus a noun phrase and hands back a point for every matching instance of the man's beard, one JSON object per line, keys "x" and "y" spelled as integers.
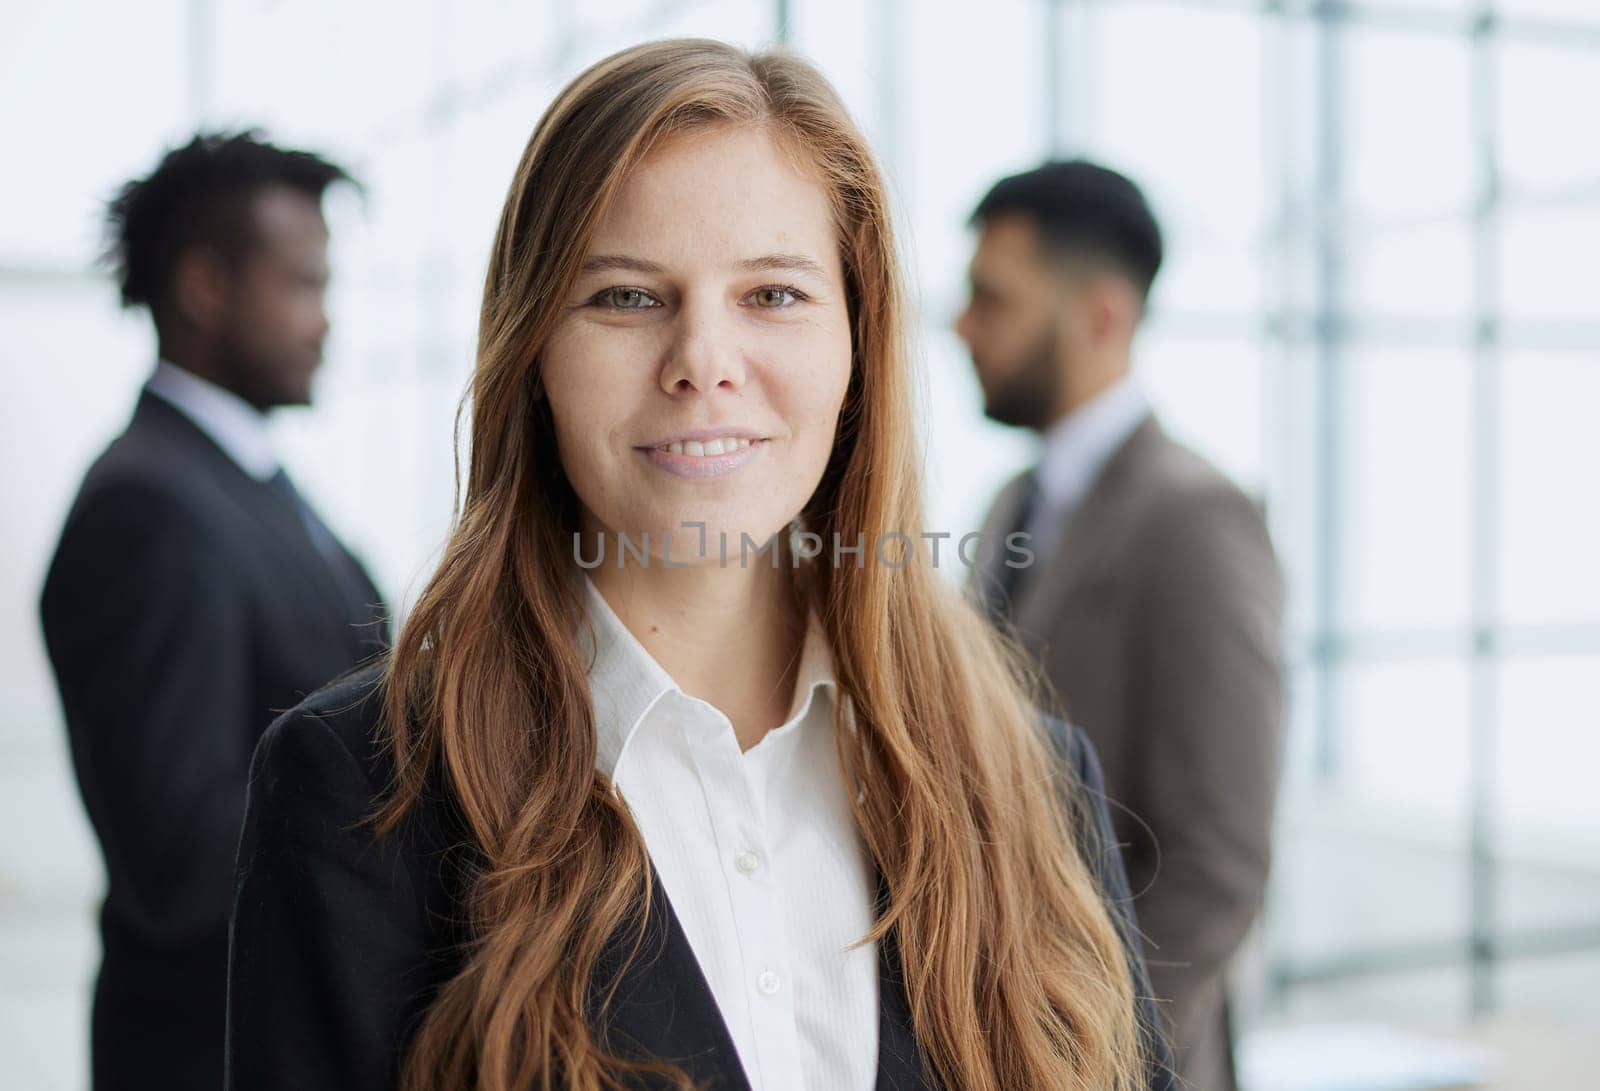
{"x": 1027, "y": 397}
{"x": 259, "y": 379}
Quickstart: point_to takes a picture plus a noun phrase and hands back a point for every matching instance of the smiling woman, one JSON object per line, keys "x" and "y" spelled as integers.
{"x": 674, "y": 821}
{"x": 701, "y": 346}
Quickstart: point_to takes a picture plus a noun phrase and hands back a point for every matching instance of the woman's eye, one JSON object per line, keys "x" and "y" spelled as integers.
{"x": 626, "y": 299}
{"x": 776, "y": 296}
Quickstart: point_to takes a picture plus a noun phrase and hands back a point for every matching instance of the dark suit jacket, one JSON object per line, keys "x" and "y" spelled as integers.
{"x": 1157, "y": 621}
{"x": 186, "y": 606}
{"x": 340, "y": 939}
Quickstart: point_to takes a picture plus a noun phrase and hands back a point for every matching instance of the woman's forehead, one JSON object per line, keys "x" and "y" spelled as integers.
{"x": 725, "y": 194}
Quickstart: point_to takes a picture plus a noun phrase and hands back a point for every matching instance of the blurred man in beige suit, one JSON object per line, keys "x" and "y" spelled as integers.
{"x": 1154, "y": 600}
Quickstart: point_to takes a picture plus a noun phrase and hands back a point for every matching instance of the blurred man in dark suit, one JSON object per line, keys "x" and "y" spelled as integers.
{"x": 194, "y": 594}
{"x": 1154, "y": 599}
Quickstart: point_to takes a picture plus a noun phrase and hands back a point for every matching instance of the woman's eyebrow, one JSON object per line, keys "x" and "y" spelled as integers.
{"x": 607, "y": 263}
{"x": 783, "y": 263}
{"x": 792, "y": 263}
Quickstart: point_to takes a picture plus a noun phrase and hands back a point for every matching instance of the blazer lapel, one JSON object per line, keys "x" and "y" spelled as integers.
{"x": 258, "y": 503}
{"x": 663, "y": 1007}
{"x": 901, "y": 1063}
{"x": 985, "y": 575}
{"x": 1038, "y": 604}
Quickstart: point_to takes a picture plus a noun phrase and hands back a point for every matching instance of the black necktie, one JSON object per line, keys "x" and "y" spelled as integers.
{"x": 320, "y": 535}
{"x": 1006, "y": 577}
{"x": 354, "y": 593}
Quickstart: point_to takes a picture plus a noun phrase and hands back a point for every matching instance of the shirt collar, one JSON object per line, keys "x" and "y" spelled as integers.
{"x": 1078, "y": 446}
{"x": 235, "y": 425}
{"x": 626, "y": 683}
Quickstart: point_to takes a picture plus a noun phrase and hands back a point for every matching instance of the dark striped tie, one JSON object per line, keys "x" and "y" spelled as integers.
{"x": 1005, "y": 578}
{"x": 320, "y": 535}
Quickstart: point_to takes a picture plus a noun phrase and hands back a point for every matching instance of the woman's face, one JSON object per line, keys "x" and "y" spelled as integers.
{"x": 710, "y": 316}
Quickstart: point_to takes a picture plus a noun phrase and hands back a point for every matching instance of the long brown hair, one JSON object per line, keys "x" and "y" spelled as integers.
{"x": 1017, "y": 977}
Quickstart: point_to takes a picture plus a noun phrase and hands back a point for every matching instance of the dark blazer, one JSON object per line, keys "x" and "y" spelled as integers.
{"x": 186, "y": 607}
{"x": 340, "y": 939}
{"x": 1158, "y": 622}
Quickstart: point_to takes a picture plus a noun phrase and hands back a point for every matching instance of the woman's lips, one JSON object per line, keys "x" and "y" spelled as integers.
{"x": 696, "y": 466}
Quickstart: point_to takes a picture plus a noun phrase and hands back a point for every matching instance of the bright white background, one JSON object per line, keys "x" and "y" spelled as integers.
{"x": 1400, "y": 523}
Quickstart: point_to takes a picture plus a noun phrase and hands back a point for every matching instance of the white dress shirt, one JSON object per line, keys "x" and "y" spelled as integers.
{"x": 236, "y": 426}
{"x": 758, "y": 853}
{"x": 1076, "y": 450}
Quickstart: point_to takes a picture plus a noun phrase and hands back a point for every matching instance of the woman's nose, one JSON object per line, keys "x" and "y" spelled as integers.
{"x": 705, "y": 354}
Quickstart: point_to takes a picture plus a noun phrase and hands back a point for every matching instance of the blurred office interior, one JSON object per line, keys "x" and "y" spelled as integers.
{"x": 1380, "y": 313}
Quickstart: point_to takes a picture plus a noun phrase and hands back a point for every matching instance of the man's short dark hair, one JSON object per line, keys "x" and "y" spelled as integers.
{"x": 1081, "y": 208}
{"x": 200, "y": 194}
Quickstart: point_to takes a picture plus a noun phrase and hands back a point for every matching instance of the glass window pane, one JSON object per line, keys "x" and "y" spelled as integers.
{"x": 738, "y": 21}
{"x": 1423, "y": 998}
{"x": 1408, "y": 130}
{"x": 84, "y": 112}
{"x": 1540, "y": 89}
{"x": 1397, "y": 720}
{"x": 1197, "y": 154}
{"x": 1580, "y": 12}
{"x": 1454, "y": 7}
{"x": 1375, "y": 858}
{"x": 1559, "y": 993}
{"x": 844, "y": 39}
{"x": 1549, "y": 521}
{"x": 1547, "y": 826}
{"x": 1421, "y": 270}
{"x": 1292, "y": 448}
{"x": 1405, "y": 515}
{"x": 1548, "y": 750}
{"x": 1550, "y": 263}
{"x": 1200, "y": 275}
{"x": 479, "y": 42}
{"x": 953, "y": 136}
{"x": 1208, "y": 394}
{"x": 344, "y": 80}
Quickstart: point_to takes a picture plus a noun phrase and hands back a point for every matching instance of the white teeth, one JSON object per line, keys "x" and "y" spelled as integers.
{"x": 696, "y": 449}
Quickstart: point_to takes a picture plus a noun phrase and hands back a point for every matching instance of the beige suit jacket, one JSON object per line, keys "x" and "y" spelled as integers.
{"x": 1157, "y": 622}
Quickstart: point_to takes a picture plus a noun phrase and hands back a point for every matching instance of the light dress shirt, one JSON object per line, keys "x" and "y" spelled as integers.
{"x": 1076, "y": 450}
{"x": 235, "y": 425}
{"x": 758, "y": 853}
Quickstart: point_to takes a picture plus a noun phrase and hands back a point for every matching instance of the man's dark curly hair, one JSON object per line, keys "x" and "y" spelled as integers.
{"x": 200, "y": 194}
